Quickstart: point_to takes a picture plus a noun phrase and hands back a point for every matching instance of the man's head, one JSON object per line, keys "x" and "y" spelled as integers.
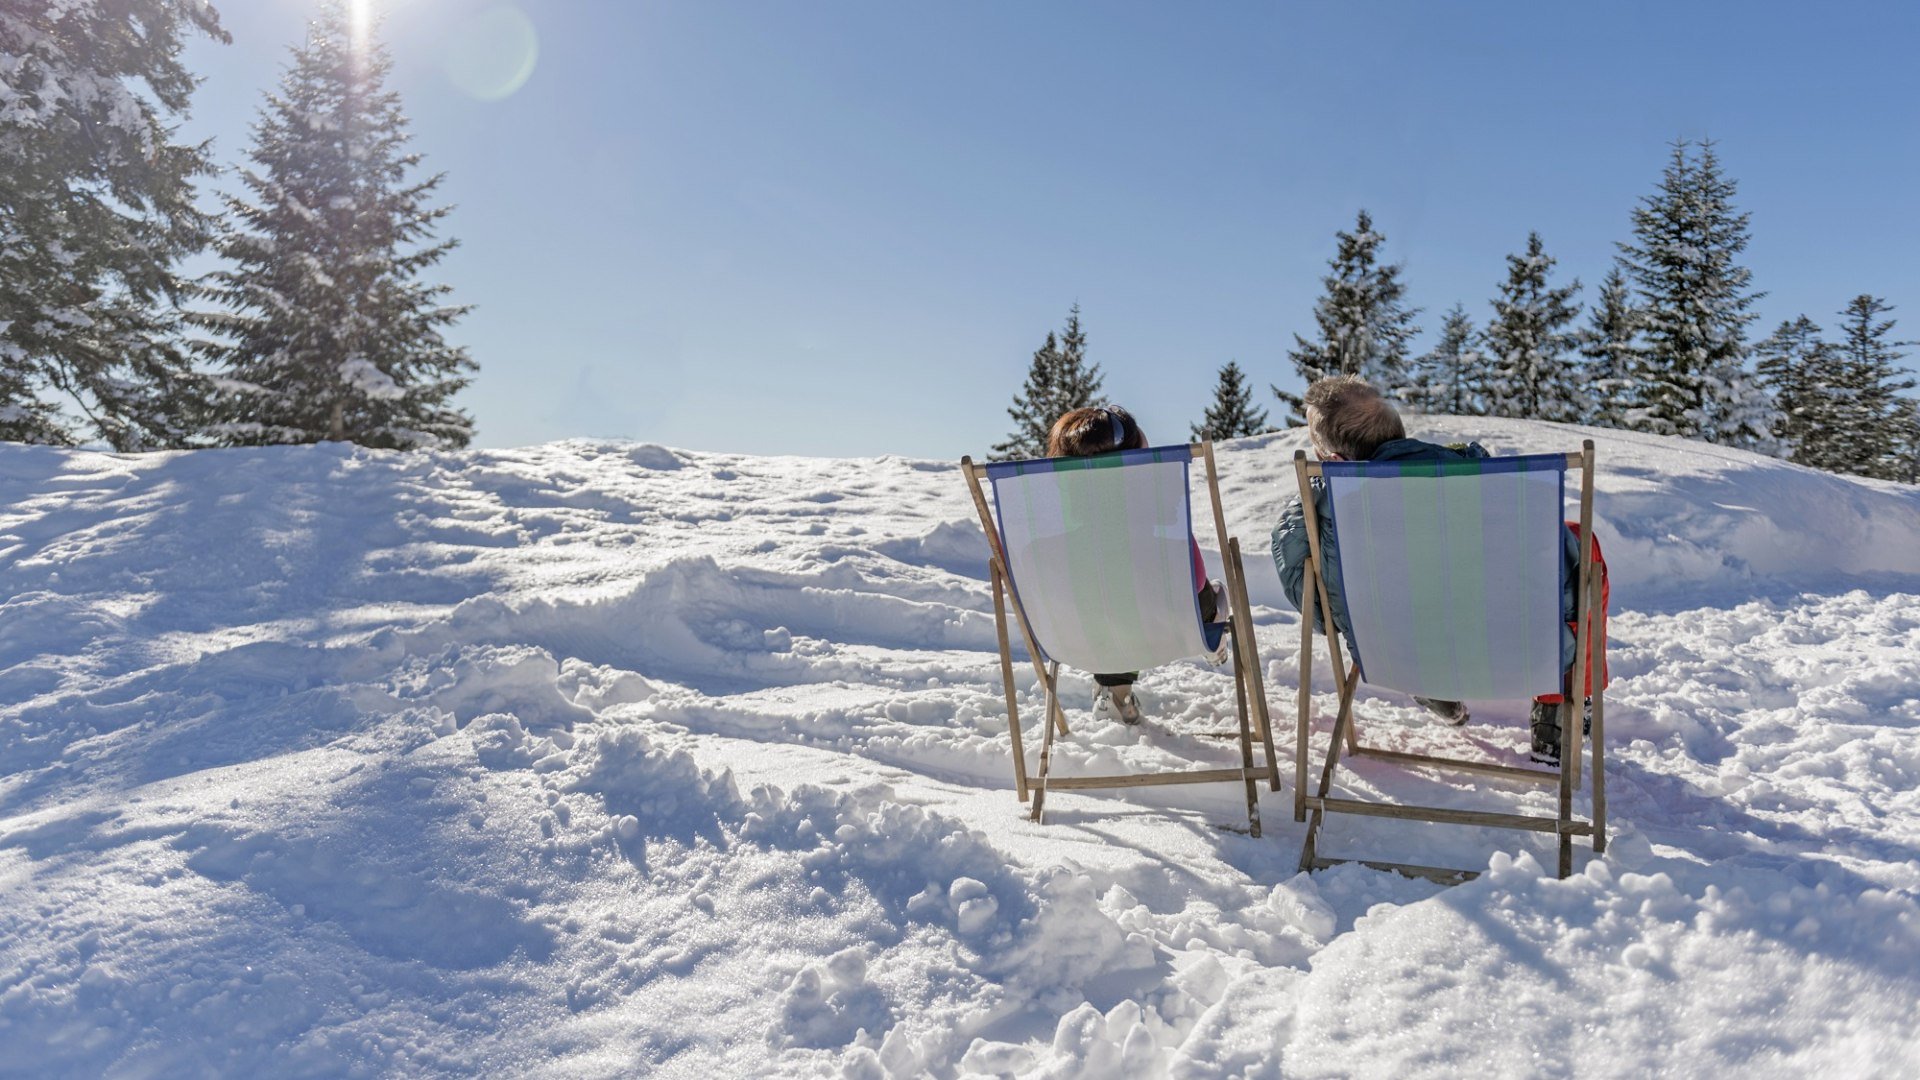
{"x": 1348, "y": 420}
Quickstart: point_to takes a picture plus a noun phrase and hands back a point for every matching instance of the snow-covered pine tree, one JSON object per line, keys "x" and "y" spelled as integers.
{"x": 1611, "y": 345}
{"x": 1691, "y": 380}
{"x": 96, "y": 209}
{"x": 1059, "y": 380}
{"x": 1364, "y": 323}
{"x": 1908, "y": 456}
{"x": 1079, "y": 381}
{"x": 1532, "y": 372}
{"x": 1803, "y": 372}
{"x": 1232, "y": 415}
{"x": 1034, "y": 407}
{"x": 326, "y": 331}
{"x": 1874, "y": 418}
{"x": 1447, "y": 378}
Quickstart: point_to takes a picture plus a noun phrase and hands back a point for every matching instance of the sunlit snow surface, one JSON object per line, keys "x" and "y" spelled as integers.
{"x": 602, "y": 759}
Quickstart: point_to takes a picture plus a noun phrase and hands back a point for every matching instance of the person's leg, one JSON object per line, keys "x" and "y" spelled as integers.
{"x": 1545, "y": 718}
{"x": 1115, "y": 698}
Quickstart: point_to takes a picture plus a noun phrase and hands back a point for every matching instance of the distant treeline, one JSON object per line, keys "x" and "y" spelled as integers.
{"x": 1664, "y": 348}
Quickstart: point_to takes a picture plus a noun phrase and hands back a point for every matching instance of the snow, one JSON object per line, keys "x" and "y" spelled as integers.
{"x": 605, "y": 759}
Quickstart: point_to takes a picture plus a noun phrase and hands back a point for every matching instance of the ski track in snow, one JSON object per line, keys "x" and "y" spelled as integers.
{"x": 603, "y": 759}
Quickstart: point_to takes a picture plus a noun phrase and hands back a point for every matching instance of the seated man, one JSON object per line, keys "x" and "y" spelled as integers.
{"x": 1348, "y": 420}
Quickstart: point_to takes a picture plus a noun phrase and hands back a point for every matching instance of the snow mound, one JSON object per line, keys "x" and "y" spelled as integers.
{"x": 604, "y": 759}
{"x": 1680, "y": 520}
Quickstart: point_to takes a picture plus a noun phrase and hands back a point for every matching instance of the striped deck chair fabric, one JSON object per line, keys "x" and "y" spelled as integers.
{"x": 1099, "y": 553}
{"x": 1452, "y": 573}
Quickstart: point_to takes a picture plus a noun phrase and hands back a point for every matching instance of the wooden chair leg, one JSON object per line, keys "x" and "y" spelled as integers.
{"x": 1344, "y": 721}
{"x": 1256, "y": 688}
{"x": 1246, "y": 752}
{"x": 1573, "y": 712}
{"x": 1341, "y": 722}
{"x": 1566, "y": 778}
{"x": 1599, "y": 780}
{"x": 1006, "y": 678}
{"x": 1346, "y": 677}
{"x": 1046, "y": 746}
{"x": 1304, "y": 701}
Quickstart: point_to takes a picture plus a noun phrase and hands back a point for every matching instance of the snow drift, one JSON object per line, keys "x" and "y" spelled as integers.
{"x": 596, "y": 759}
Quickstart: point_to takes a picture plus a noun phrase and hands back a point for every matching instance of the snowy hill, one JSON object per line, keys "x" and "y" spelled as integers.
{"x": 600, "y": 759}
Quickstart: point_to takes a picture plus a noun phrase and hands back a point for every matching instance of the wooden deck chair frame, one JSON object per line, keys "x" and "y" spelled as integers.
{"x": 1563, "y": 824}
{"x": 1249, "y": 691}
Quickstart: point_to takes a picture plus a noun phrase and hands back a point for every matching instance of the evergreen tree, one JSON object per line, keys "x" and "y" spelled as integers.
{"x": 326, "y": 332}
{"x": 1907, "y": 446}
{"x": 1874, "y": 415}
{"x": 1033, "y": 408}
{"x": 1691, "y": 380}
{"x": 1232, "y": 415}
{"x": 1363, "y": 321}
{"x": 1059, "y": 380}
{"x": 1079, "y": 380}
{"x": 1804, "y": 375}
{"x": 1611, "y": 346}
{"x": 96, "y": 209}
{"x": 1532, "y": 372}
{"x": 1448, "y": 379}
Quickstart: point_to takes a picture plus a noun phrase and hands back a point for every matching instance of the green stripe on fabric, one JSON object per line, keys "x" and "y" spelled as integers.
{"x": 1093, "y": 511}
{"x": 1466, "y": 547}
{"x": 1526, "y": 579}
{"x": 1424, "y": 542}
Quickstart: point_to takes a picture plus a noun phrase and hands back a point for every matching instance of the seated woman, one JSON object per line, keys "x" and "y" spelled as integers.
{"x": 1103, "y": 429}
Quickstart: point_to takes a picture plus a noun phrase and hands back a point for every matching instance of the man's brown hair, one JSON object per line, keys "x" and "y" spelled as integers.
{"x": 1345, "y": 416}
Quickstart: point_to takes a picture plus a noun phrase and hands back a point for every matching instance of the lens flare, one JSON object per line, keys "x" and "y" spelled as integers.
{"x": 359, "y": 26}
{"x": 493, "y": 55}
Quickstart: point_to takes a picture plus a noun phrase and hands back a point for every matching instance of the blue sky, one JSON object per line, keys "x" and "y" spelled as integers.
{"x": 843, "y": 227}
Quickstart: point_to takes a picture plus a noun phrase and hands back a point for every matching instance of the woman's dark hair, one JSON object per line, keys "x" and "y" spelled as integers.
{"x": 1098, "y": 430}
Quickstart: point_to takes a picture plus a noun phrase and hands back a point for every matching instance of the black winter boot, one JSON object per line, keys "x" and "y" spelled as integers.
{"x": 1546, "y": 731}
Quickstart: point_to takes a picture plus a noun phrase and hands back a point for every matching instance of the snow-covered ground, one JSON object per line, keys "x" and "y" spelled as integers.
{"x": 600, "y": 759}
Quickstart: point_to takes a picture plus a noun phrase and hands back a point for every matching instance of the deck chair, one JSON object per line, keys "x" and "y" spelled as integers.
{"x": 1452, "y": 575}
{"x": 1092, "y": 555}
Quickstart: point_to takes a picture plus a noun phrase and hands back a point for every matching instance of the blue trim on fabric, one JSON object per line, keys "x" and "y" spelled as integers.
{"x": 1000, "y": 470}
{"x": 1019, "y": 608}
{"x": 1463, "y": 467}
{"x": 1353, "y": 640}
{"x": 1560, "y": 624}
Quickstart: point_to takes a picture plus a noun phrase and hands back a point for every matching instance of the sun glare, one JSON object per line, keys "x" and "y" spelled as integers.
{"x": 359, "y": 25}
